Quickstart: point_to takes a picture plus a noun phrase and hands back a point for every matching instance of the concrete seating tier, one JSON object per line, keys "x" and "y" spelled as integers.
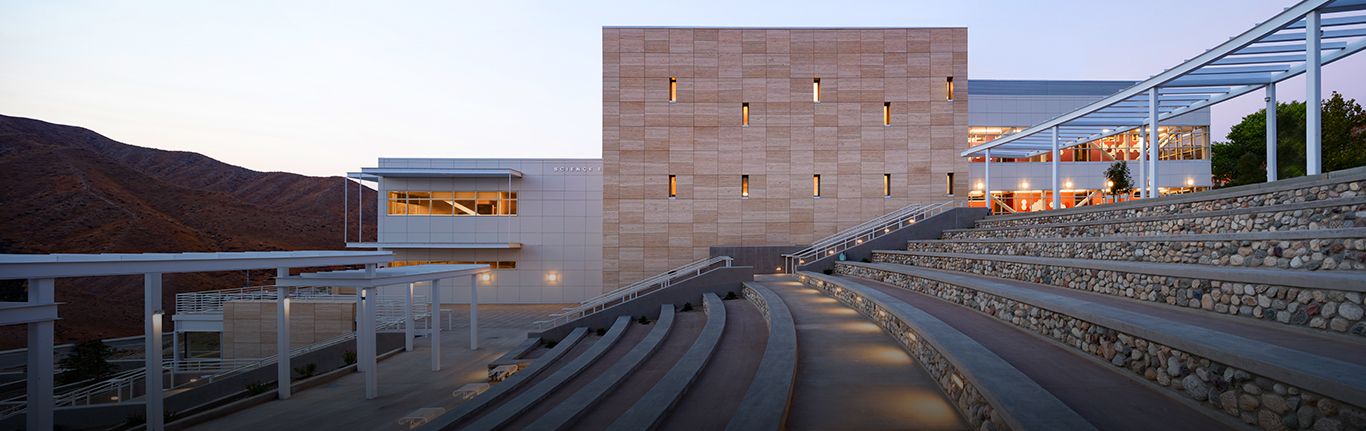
{"x": 766, "y": 403}
{"x": 984, "y": 387}
{"x": 1314, "y": 215}
{"x": 1333, "y": 186}
{"x": 1297, "y": 250}
{"x": 1325, "y": 302}
{"x": 651, "y": 408}
{"x": 1243, "y": 370}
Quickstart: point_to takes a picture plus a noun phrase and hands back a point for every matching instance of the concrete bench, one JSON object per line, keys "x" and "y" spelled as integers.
{"x": 420, "y": 417}
{"x": 470, "y": 391}
{"x": 497, "y": 374}
{"x": 650, "y": 410}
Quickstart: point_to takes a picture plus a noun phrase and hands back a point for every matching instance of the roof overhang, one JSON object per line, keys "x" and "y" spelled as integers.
{"x": 437, "y": 173}
{"x": 380, "y": 276}
{"x": 1271, "y": 52}
{"x": 467, "y": 245}
{"x": 22, "y": 266}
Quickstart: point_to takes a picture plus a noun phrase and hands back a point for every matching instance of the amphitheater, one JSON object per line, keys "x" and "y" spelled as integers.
{"x": 1238, "y": 308}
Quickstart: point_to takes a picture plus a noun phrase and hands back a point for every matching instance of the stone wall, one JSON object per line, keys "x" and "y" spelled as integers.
{"x": 1253, "y": 399}
{"x": 1346, "y": 213}
{"x": 249, "y": 327}
{"x": 1326, "y": 254}
{"x": 1328, "y": 310}
{"x": 966, "y": 397}
{"x": 1264, "y": 195}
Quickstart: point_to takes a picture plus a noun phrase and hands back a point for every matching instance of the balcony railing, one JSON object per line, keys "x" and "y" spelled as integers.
{"x": 865, "y": 231}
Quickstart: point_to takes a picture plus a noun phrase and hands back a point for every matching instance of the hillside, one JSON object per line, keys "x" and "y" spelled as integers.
{"x": 71, "y": 190}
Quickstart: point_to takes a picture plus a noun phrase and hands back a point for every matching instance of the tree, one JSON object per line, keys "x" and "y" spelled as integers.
{"x": 1242, "y": 160}
{"x": 87, "y": 361}
{"x": 1121, "y": 183}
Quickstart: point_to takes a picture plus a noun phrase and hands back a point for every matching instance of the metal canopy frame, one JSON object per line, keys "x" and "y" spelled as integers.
{"x": 1271, "y": 52}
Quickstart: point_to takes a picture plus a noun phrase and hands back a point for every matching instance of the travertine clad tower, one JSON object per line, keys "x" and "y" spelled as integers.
{"x": 716, "y": 136}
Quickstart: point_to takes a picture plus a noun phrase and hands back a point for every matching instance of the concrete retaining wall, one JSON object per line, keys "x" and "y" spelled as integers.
{"x": 930, "y": 228}
{"x": 764, "y": 259}
{"x": 719, "y": 281}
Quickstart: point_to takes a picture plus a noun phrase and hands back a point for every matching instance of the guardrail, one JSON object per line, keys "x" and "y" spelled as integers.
{"x": 634, "y": 290}
{"x": 211, "y": 301}
{"x": 865, "y": 231}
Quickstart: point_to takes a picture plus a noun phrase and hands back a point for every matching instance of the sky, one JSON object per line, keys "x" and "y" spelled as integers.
{"x": 324, "y": 88}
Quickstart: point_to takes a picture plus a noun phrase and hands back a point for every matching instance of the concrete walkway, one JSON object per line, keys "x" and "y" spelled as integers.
{"x": 406, "y": 382}
{"x": 853, "y": 376}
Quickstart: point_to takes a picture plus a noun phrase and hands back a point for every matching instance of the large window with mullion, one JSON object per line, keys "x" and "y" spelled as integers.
{"x": 452, "y": 203}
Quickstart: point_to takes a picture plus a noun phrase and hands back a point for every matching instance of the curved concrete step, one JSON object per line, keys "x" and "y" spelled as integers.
{"x": 1022, "y": 402}
{"x": 515, "y": 407}
{"x": 1258, "y": 352}
{"x": 647, "y": 413}
{"x": 500, "y": 391}
{"x": 765, "y": 405}
{"x": 716, "y": 395}
{"x": 568, "y": 412}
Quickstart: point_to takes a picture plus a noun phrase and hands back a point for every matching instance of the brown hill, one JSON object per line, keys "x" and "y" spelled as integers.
{"x": 71, "y": 190}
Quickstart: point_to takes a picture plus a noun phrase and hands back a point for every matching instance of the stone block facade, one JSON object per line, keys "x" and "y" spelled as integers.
{"x": 674, "y": 123}
{"x": 249, "y": 327}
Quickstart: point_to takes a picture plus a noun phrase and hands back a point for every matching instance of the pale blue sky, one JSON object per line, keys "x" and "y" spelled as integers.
{"x": 322, "y": 88}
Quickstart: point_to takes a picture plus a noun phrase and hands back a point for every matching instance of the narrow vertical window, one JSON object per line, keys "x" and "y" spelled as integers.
{"x": 673, "y": 90}
{"x": 886, "y": 113}
{"x": 950, "y": 188}
{"x": 744, "y": 113}
{"x": 744, "y": 186}
{"x": 673, "y": 186}
{"x": 949, "y": 87}
{"x": 886, "y": 185}
{"x": 816, "y": 90}
{"x": 816, "y": 186}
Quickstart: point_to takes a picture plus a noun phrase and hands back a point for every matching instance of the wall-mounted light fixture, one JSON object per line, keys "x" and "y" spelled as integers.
{"x": 486, "y": 277}
{"x": 553, "y": 277}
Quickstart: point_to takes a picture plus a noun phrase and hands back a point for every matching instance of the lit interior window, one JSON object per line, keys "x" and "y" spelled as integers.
{"x": 950, "y": 180}
{"x": 887, "y": 185}
{"x": 886, "y": 113}
{"x": 744, "y": 112}
{"x": 816, "y": 90}
{"x": 744, "y": 186}
{"x": 673, "y": 89}
{"x": 950, "y": 88}
{"x": 816, "y": 186}
{"x": 431, "y": 203}
{"x": 673, "y": 186}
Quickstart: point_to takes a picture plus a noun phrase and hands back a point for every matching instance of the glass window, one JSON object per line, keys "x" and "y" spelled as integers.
{"x": 744, "y": 111}
{"x": 673, "y": 89}
{"x": 451, "y": 203}
{"x": 816, "y": 90}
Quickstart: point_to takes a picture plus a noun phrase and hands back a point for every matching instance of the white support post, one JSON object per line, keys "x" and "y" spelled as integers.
{"x": 435, "y": 327}
{"x": 1271, "y": 166}
{"x": 153, "y": 380}
{"x": 1153, "y": 143}
{"x": 408, "y": 319}
{"x": 40, "y": 358}
{"x": 372, "y": 370}
{"x": 1313, "y": 95}
{"x": 474, "y": 314}
{"x": 1057, "y": 191}
{"x": 986, "y": 182}
{"x": 1142, "y": 164}
{"x": 175, "y": 346}
{"x": 283, "y": 365}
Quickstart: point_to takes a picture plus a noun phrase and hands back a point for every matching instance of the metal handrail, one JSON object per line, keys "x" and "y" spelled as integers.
{"x": 633, "y": 290}
{"x": 865, "y": 231}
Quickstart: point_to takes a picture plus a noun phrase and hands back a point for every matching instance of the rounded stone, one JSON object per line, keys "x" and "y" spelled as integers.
{"x": 1349, "y": 311}
{"x": 1328, "y": 424}
{"x": 1248, "y": 403}
{"x": 1327, "y": 407}
{"x": 1195, "y": 387}
{"x": 1275, "y": 403}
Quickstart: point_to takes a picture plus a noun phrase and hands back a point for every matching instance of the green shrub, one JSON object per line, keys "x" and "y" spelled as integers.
{"x": 87, "y": 361}
{"x": 602, "y": 331}
{"x": 730, "y": 295}
{"x": 550, "y": 344}
{"x": 687, "y": 306}
{"x": 307, "y": 370}
{"x": 349, "y": 357}
{"x": 643, "y": 320}
{"x": 827, "y": 271}
{"x": 865, "y": 260}
{"x": 134, "y": 420}
{"x": 256, "y": 388}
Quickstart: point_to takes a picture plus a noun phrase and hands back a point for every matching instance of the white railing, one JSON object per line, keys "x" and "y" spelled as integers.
{"x": 634, "y": 290}
{"x": 211, "y": 301}
{"x": 866, "y": 231}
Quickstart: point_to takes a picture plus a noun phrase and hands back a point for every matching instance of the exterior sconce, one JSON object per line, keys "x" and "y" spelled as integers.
{"x": 486, "y": 277}
{"x": 553, "y": 277}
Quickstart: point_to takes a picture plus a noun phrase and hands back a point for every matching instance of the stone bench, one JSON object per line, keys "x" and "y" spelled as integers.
{"x": 569, "y": 411}
{"x": 497, "y": 374}
{"x": 659, "y": 401}
{"x": 470, "y": 391}
{"x": 1220, "y": 370}
{"x": 982, "y": 375}
{"x": 420, "y": 417}
{"x": 765, "y": 405}
{"x": 1318, "y": 300}
{"x": 1327, "y": 249}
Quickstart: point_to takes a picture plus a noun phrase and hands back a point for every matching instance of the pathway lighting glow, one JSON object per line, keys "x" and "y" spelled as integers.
{"x": 957, "y": 381}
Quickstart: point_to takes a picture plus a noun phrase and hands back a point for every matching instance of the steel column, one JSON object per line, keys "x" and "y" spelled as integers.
{"x": 435, "y": 326}
{"x": 40, "y": 358}
{"x": 1153, "y": 143}
{"x": 1142, "y": 164}
{"x": 408, "y": 319}
{"x": 1313, "y": 97}
{"x": 986, "y": 182}
{"x": 153, "y": 380}
{"x": 372, "y": 369}
{"x": 474, "y": 314}
{"x": 1271, "y": 166}
{"x": 1057, "y": 191}
{"x": 283, "y": 365}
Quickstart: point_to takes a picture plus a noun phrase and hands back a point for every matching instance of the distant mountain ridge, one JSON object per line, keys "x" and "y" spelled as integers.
{"x": 70, "y": 190}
